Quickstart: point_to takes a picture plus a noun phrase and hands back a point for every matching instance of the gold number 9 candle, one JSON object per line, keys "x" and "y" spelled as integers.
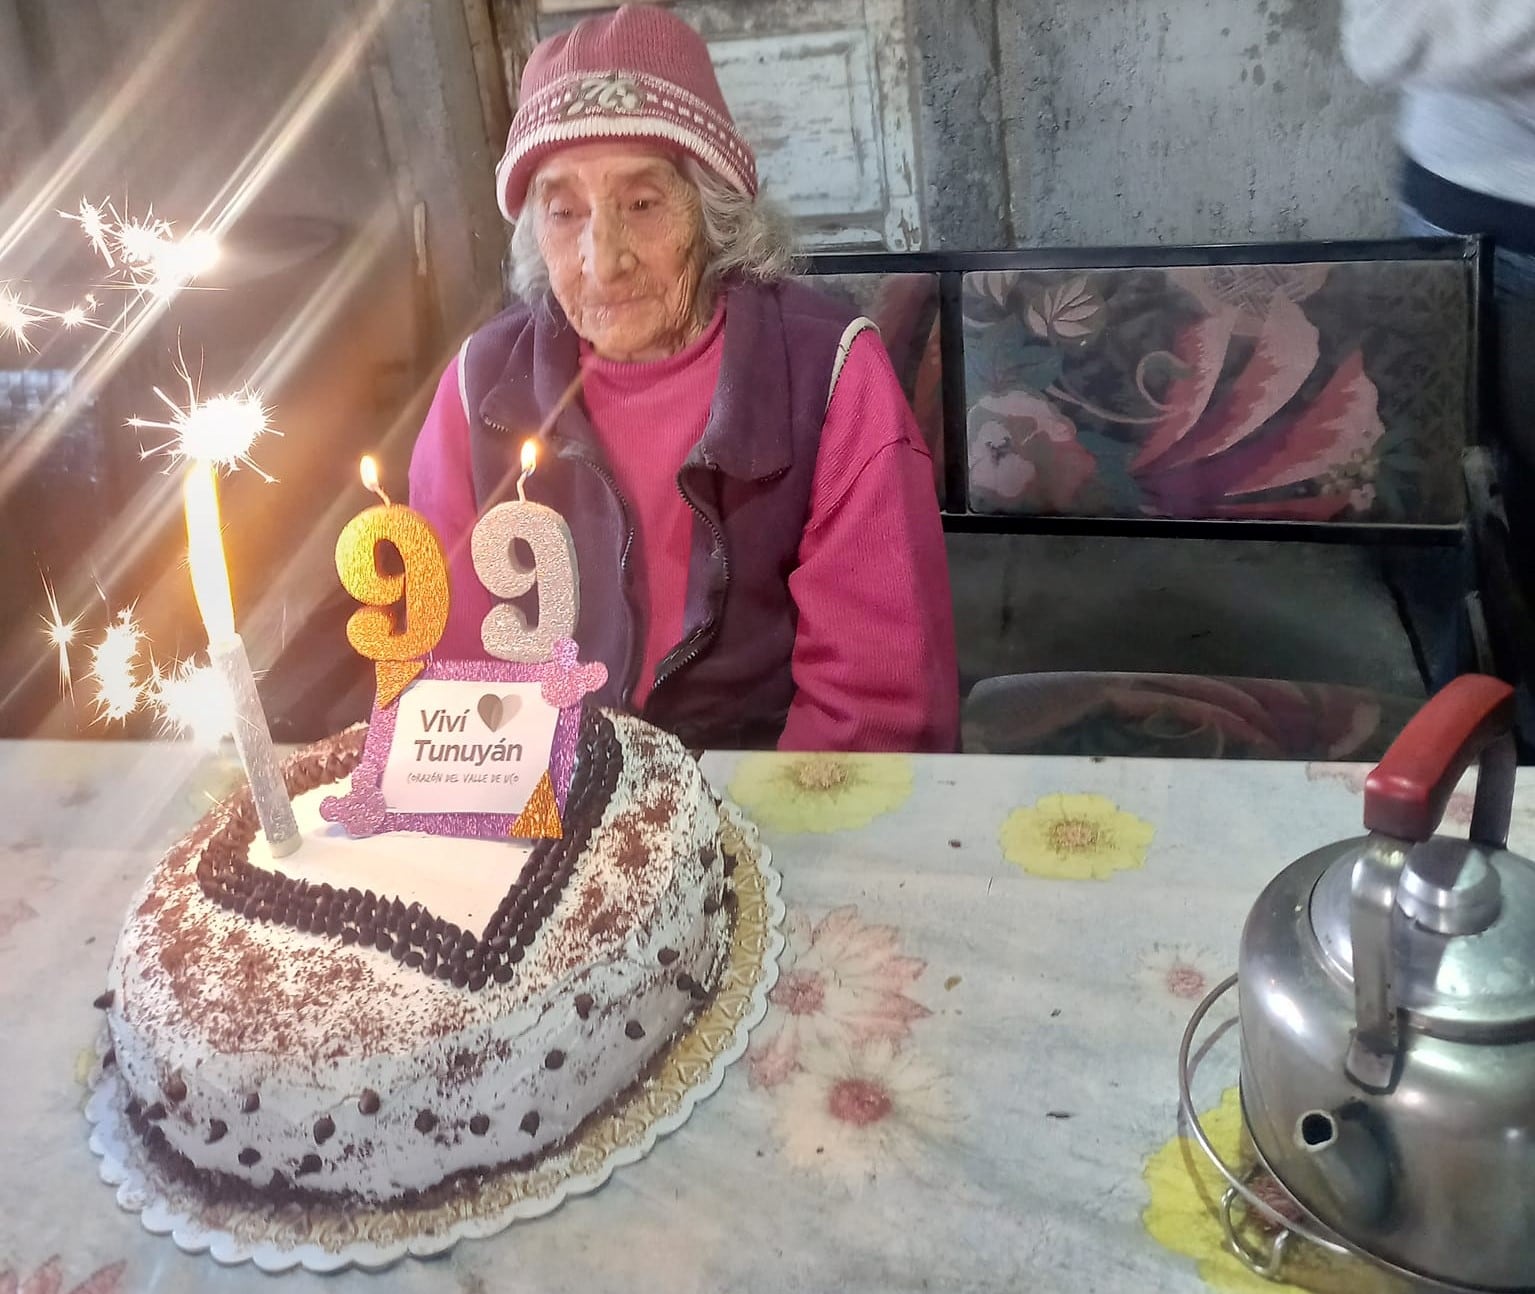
{"x": 404, "y": 615}
{"x": 505, "y": 632}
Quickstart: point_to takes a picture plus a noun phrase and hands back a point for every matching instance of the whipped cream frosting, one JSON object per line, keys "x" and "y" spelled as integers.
{"x": 279, "y": 1059}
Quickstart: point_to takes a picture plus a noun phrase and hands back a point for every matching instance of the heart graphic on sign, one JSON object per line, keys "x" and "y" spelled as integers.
{"x": 498, "y": 710}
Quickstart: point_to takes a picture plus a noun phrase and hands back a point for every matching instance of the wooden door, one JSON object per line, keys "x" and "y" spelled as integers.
{"x": 823, "y": 91}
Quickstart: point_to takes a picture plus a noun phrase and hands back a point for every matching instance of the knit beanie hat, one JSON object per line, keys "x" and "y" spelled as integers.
{"x": 640, "y": 73}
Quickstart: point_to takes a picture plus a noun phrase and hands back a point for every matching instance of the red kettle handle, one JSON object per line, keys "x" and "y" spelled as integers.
{"x": 1406, "y": 793}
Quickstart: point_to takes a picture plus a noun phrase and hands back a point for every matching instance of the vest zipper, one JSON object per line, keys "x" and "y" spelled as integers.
{"x": 693, "y": 647}
{"x": 631, "y": 669}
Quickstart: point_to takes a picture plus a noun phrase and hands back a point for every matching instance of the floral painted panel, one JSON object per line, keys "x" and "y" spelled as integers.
{"x": 905, "y": 306}
{"x": 1311, "y": 392}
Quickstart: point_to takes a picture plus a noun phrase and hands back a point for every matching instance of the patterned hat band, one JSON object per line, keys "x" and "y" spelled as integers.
{"x": 584, "y": 108}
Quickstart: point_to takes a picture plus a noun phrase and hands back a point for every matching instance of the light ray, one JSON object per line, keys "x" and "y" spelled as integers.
{"x": 94, "y": 122}
{"x": 334, "y": 68}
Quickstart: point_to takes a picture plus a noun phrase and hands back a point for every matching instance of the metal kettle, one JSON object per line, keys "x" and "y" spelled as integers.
{"x": 1387, "y": 1003}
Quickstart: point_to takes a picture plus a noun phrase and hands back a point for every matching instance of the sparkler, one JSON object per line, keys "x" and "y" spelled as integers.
{"x": 78, "y": 316}
{"x": 158, "y": 262}
{"x": 16, "y": 317}
{"x": 93, "y": 222}
{"x": 118, "y": 691}
{"x": 210, "y": 585}
{"x": 61, "y": 635}
{"x": 146, "y": 255}
{"x": 219, "y": 431}
{"x": 138, "y": 242}
{"x": 146, "y": 252}
{"x": 192, "y": 701}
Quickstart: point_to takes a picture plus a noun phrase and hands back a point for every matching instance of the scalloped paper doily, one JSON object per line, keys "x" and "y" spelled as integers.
{"x": 324, "y": 1239}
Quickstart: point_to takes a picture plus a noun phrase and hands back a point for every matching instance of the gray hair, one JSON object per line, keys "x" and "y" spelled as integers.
{"x": 744, "y": 238}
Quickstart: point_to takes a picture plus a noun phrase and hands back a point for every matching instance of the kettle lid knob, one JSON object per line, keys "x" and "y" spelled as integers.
{"x": 1450, "y": 887}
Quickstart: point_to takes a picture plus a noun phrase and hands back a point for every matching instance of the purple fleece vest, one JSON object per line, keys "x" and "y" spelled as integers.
{"x": 727, "y": 684}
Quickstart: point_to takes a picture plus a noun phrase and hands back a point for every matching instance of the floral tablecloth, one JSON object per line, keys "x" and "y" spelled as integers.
{"x": 966, "y": 1080}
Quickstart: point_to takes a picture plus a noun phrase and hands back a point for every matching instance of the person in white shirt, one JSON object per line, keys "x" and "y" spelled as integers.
{"x": 1466, "y": 73}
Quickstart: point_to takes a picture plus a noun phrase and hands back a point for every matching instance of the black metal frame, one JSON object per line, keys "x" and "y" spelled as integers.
{"x": 951, "y": 267}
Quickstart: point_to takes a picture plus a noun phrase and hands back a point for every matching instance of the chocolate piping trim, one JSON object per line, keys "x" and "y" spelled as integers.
{"x": 411, "y": 935}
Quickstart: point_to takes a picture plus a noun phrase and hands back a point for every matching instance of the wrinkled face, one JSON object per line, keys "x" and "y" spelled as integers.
{"x": 621, "y": 232}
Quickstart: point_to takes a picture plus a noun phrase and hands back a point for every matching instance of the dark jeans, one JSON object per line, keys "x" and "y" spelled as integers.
{"x": 1513, "y": 286}
{"x": 1514, "y": 422}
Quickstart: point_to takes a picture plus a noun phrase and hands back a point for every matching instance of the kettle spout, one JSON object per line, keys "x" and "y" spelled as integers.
{"x": 1350, "y": 1159}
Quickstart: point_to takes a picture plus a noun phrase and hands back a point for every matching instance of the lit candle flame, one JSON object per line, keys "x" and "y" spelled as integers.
{"x": 529, "y": 462}
{"x": 205, "y": 553}
{"x": 61, "y": 635}
{"x": 112, "y": 667}
{"x": 368, "y": 469}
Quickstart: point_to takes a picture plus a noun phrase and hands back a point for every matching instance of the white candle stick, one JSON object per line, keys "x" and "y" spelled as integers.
{"x": 210, "y": 583}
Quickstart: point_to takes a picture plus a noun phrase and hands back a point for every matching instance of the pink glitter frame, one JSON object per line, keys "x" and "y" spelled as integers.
{"x": 565, "y": 682}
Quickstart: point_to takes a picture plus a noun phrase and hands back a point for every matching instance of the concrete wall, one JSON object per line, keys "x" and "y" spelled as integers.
{"x": 1114, "y": 122}
{"x": 966, "y": 186}
{"x": 1132, "y": 121}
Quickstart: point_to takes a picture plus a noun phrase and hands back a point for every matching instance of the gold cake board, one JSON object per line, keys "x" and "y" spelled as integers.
{"x": 321, "y": 1238}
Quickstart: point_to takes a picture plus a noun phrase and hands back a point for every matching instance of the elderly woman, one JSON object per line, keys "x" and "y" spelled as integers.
{"x": 750, "y": 502}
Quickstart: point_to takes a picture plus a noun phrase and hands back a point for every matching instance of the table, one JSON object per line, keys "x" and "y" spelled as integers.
{"x": 966, "y": 1082}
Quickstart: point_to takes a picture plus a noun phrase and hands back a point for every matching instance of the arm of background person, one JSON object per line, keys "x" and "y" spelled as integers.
{"x": 874, "y": 665}
{"x": 1474, "y": 46}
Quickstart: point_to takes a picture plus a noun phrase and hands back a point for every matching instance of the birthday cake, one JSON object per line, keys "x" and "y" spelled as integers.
{"x": 284, "y": 1035}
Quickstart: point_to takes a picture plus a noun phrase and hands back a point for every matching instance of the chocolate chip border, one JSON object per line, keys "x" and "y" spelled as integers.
{"x": 412, "y": 935}
{"x": 215, "y": 1187}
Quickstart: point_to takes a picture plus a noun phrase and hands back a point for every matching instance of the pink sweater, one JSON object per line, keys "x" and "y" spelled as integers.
{"x": 873, "y": 662}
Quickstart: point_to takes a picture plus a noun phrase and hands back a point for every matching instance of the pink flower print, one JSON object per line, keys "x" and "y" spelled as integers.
{"x": 1334, "y": 437}
{"x": 1219, "y": 442}
{"x": 1179, "y": 975}
{"x": 840, "y": 982}
{"x": 49, "y": 1279}
{"x": 1250, "y": 292}
{"x": 853, "y": 1113}
{"x": 1196, "y": 426}
{"x": 1024, "y": 448}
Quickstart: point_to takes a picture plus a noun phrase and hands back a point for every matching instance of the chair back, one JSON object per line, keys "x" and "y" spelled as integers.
{"x": 1273, "y": 389}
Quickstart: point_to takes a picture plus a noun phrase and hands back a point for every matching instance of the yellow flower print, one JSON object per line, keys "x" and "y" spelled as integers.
{"x": 1075, "y": 837}
{"x": 820, "y": 792}
{"x": 1183, "y": 1216}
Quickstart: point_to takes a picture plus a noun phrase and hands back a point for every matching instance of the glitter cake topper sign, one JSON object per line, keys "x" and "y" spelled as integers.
{"x": 464, "y": 748}
{"x": 472, "y": 748}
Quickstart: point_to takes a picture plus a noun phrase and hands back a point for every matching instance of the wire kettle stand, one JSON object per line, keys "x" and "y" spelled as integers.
{"x": 1239, "y": 1185}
